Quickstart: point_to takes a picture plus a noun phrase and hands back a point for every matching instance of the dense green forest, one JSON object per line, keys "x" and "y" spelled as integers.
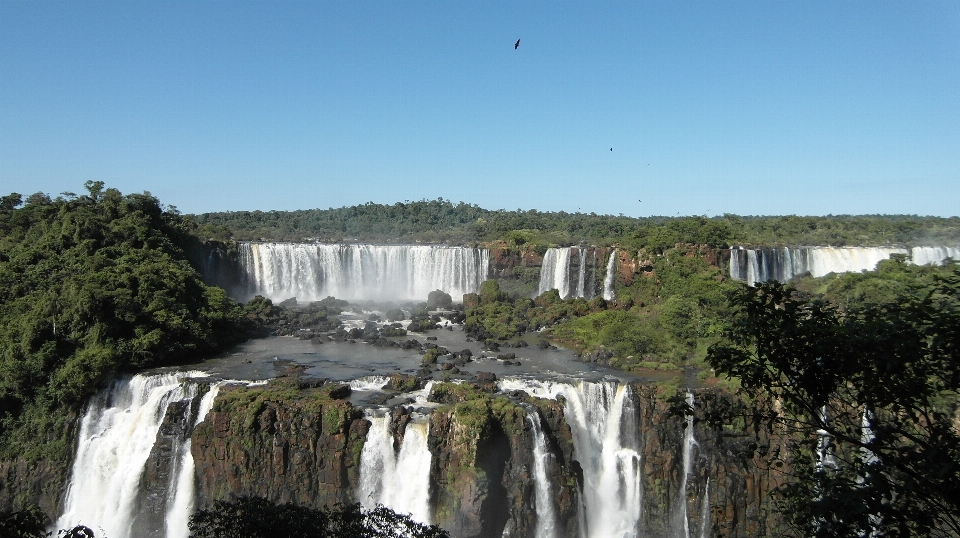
{"x": 441, "y": 221}
{"x": 90, "y": 286}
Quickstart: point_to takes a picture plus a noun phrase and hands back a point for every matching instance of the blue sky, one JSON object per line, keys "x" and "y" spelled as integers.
{"x": 784, "y": 107}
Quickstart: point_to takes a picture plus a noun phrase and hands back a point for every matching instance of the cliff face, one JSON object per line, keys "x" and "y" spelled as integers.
{"x": 304, "y": 446}
{"x": 280, "y": 442}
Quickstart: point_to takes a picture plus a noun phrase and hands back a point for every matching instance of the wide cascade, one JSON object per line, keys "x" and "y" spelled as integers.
{"x": 782, "y": 264}
{"x": 312, "y": 272}
{"x": 117, "y": 436}
{"x": 602, "y": 417}
{"x": 396, "y": 474}
{"x": 569, "y": 270}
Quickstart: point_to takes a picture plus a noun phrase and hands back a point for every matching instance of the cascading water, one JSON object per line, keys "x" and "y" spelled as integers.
{"x": 397, "y": 479}
{"x": 602, "y": 418}
{"x": 116, "y": 436}
{"x": 611, "y": 275}
{"x": 546, "y": 512}
{"x": 689, "y": 444}
{"x": 557, "y": 272}
{"x": 783, "y": 264}
{"x": 182, "y": 496}
{"x": 355, "y": 272}
{"x": 933, "y": 255}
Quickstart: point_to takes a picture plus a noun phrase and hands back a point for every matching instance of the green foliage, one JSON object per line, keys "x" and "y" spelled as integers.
{"x": 91, "y": 286}
{"x": 29, "y": 522}
{"x": 442, "y": 221}
{"x": 251, "y": 517}
{"x": 823, "y": 371}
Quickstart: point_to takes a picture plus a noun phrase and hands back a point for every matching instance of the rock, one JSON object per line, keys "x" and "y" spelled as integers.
{"x": 486, "y": 376}
{"x": 339, "y": 392}
{"x": 506, "y": 357}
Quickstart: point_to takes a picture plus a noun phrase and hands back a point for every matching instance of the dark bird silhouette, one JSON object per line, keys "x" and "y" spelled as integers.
{"x": 516, "y": 45}
{"x": 611, "y": 149}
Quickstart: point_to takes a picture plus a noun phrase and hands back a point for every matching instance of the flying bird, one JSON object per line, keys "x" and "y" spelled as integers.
{"x": 516, "y": 45}
{"x": 611, "y": 149}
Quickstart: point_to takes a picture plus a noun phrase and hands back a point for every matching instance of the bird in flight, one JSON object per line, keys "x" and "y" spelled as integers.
{"x": 611, "y": 149}
{"x": 516, "y": 45}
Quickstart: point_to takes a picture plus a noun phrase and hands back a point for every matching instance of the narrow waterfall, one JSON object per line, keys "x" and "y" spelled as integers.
{"x": 312, "y": 272}
{"x": 117, "y": 435}
{"x": 182, "y": 496}
{"x": 543, "y": 493}
{"x": 689, "y": 444}
{"x": 570, "y": 278}
{"x": 397, "y": 479}
{"x": 602, "y": 417}
{"x": 608, "y": 281}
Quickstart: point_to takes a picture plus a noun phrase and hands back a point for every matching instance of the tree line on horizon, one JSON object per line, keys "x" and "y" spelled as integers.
{"x": 442, "y": 221}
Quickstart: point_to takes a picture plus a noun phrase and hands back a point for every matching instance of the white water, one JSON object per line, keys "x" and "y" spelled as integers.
{"x": 182, "y": 496}
{"x": 546, "y": 512}
{"x": 397, "y": 479}
{"x": 933, "y": 255}
{"x": 312, "y": 272}
{"x": 116, "y": 436}
{"x": 555, "y": 273}
{"x": 603, "y": 423}
{"x": 689, "y": 443}
{"x": 369, "y": 383}
{"x": 611, "y": 275}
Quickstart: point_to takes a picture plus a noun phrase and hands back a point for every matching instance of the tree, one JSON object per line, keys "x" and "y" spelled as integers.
{"x": 253, "y": 517}
{"x": 867, "y": 399}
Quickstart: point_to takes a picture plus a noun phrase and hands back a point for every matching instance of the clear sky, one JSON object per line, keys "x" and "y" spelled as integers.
{"x": 785, "y": 107}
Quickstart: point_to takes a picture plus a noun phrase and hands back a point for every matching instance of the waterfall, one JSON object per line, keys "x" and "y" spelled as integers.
{"x": 117, "y": 434}
{"x": 783, "y": 264}
{"x": 602, "y": 418}
{"x": 184, "y": 488}
{"x": 546, "y": 512}
{"x": 933, "y": 255}
{"x": 557, "y": 272}
{"x": 397, "y": 479}
{"x": 312, "y": 272}
{"x": 611, "y": 275}
{"x": 689, "y": 443}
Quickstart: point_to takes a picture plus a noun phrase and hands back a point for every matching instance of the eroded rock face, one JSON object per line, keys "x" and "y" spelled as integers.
{"x": 300, "y": 445}
{"x": 279, "y": 442}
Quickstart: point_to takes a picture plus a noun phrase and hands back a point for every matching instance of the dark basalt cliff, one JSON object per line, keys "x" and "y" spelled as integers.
{"x": 304, "y": 446}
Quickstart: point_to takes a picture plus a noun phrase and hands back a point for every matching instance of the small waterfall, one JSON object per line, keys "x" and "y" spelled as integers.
{"x": 611, "y": 276}
{"x": 182, "y": 496}
{"x": 569, "y": 278}
{"x": 397, "y": 479}
{"x": 116, "y": 437}
{"x": 602, "y": 418}
{"x": 369, "y": 383}
{"x": 546, "y": 512}
{"x": 555, "y": 272}
{"x": 312, "y": 272}
{"x": 689, "y": 443}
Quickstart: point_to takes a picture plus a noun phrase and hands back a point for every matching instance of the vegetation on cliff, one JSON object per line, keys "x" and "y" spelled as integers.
{"x": 442, "y": 221}
{"x": 252, "y": 517}
{"x": 867, "y": 392}
{"x": 90, "y": 286}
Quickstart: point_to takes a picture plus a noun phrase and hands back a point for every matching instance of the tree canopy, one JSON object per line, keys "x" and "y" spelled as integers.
{"x": 867, "y": 397}
{"x": 90, "y": 286}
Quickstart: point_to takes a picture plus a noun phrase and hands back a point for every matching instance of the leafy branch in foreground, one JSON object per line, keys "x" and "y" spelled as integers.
{"x": 252, "y": 517}
{"x": 868, "y": 399}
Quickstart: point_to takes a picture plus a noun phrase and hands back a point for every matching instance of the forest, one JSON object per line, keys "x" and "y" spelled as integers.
{"x": 441, "y": 221}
